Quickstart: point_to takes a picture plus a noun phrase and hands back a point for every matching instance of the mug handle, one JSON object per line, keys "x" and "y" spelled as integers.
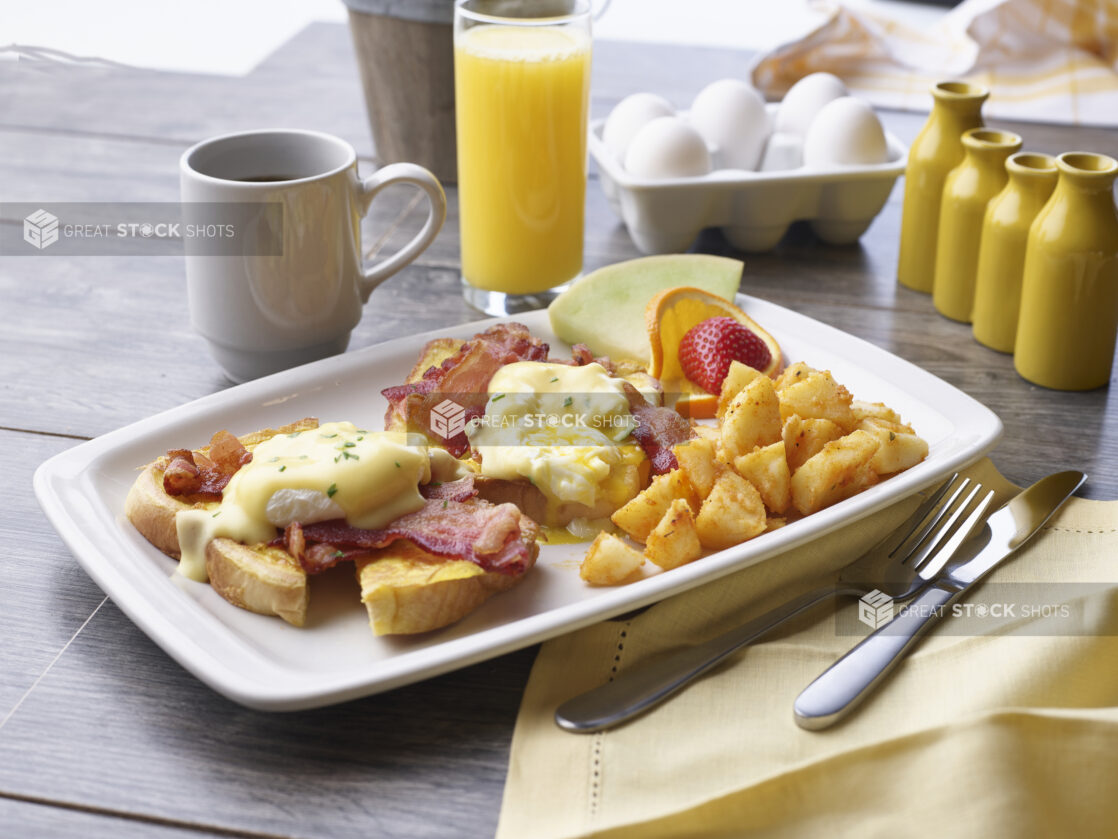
{"x": 367, "y": 189}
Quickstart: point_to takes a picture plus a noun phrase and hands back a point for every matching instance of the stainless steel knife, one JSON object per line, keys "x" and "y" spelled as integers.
{"x": 850, "y": 679}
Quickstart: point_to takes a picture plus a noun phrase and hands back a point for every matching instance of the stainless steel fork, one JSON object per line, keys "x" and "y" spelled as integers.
{"x": 899, "y": 565}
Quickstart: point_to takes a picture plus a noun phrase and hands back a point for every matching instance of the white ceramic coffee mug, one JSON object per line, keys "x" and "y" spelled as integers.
{"x": 298, "y": 301}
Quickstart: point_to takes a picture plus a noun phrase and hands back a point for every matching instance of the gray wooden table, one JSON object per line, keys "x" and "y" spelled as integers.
{"x": 101, "y": 734}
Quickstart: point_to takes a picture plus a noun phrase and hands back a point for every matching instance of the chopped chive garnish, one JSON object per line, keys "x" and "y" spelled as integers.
{"x": 349, "y": 456}
{"x": 336, "y": 459}
{"x": 397, "y": 464}
{"x": 555, "y": 379}
{"x": 330, "y": 492}
{"x": 568, "y": 402}
{"x": 497, "y": 397}
{"x": 362, "y": 437}
{"x": 283, "y": 467}
{"x": 215, "y": 515}
{"x": 338, "y": 553}
{"x": 329, "y": 436}
{"x": 348, "y": 444}
{"x": 444, "y": 503}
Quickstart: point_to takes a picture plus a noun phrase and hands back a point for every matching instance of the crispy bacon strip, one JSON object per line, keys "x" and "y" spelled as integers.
{"x": 658, "y": 430}
{"x": 582, "y": 355}
{"x": 463, "y": 378}
{"x": 201, "y": 475}
{"x": 495, "y": 537}
{"x": 227, "y": 453}
{"x": 293, "y": 539}
{"x": 181, "y": 476}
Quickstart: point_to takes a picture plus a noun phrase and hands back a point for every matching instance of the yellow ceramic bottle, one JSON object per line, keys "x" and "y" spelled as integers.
{"x": 1001, "y": 255}
{"x": 966, "y": 193}
{"x": 1069, "y": 297}
{"x": 936, "y": 150}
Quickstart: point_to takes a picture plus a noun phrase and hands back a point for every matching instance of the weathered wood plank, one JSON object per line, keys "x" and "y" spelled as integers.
{"x": 117, "y": 724}
{"x": 46, "y": 821}
{"x": 45, "y": 596}
{"x": 310, "y": 82}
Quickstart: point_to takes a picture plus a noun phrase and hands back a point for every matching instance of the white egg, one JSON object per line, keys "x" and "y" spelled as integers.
{"x": 846, "y": 132}
{"x": 305, "y": 506}
{"x": 782, "y": 152}
{"x": 730, "y": 114}
{"x": 804, "y": 100}
{"x": 629, "y": 116}
{"x": 667, "y": 148}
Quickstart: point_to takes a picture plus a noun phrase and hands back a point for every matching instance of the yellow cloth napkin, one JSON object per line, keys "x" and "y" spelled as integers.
{"x": 1012, "y": 733}
{"x": 1043, "y": 60}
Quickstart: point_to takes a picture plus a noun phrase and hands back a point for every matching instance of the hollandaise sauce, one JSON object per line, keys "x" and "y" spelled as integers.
{"x": 335, "y": 471}
{"x": 566, "y": 429}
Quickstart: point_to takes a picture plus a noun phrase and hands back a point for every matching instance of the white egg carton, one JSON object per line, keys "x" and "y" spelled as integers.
{"x": 753, "y": 209}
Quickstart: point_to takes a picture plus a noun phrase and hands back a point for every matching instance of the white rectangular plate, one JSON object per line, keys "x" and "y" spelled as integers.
{"x": 264, "y": 663}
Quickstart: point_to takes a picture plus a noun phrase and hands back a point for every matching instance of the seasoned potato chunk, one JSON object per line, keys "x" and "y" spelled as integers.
{"x": 793, "y": 373}
{"x": 696, "y": 462}
{"x": 642, "y": 513}
{"x": 780, "y": 449}
{"x": 873, "y": 410}
{"x": 900, "y": 448}
{"x": 840, "y": 470}
{"x": 732, "y": 513}
{"x": 610, "y": 561}
{"x": 767, "y": 469}
{"x": 735, "y": 382}
{"x": 675, "y": 540}
{"x": 819, "y": 396}
{"x": 805, "y": 438}
{"x": 707, "y": 432}
{"x": 752, "y": 419}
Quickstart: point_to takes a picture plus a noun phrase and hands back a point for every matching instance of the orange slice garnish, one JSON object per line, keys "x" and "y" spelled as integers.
{"x": 668, "y": 317}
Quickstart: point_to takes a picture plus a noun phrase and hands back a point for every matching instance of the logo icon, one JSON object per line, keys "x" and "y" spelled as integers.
{"x": 875, "y": 609}
{"x": 40, "y": 229}
{"x": 448, "y": 419}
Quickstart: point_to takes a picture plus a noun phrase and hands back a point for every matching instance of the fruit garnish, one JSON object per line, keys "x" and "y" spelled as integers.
{"x": 708, "y": 348}
{"x": 673, "y": 313}
{"x": 605, "y": 309}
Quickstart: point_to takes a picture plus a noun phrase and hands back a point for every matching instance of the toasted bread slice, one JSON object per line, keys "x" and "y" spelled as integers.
{"x": 407, "y": 590}
{"x": 268, "y": 581}
{"x": 259, "y": 578}
{"x": 152, "y": 511}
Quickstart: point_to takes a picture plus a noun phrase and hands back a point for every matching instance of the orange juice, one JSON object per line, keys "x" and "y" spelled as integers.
{"x": 522, "y": 102}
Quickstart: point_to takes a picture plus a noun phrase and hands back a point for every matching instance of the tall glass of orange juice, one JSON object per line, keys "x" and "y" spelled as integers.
{"x": 522, "y": 83}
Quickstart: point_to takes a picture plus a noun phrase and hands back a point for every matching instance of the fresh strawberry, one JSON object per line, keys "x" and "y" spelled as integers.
{"x": 708, "y": 348}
